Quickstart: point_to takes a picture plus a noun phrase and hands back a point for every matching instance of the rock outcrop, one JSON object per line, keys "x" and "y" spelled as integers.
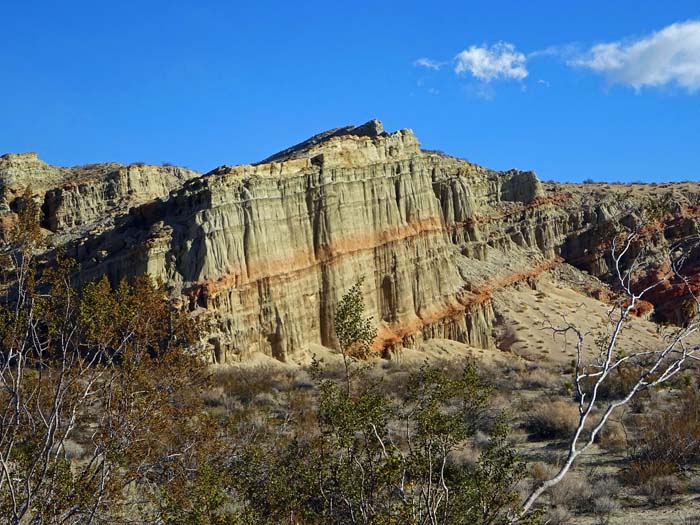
{"x": 77, "y": 199}
{"x": 263, "y": 252}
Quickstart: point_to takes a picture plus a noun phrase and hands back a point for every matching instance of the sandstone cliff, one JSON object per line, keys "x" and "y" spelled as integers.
{"x": 266, "y": 250}
{"x": 82, "y": 196}
{"x": 263, "y": 252}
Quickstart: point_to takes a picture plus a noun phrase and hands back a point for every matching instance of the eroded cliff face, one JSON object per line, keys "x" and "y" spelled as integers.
{"x": 264, "y": 252}
{"x": 662, "y": 214}
{"x": 75, "y": 200}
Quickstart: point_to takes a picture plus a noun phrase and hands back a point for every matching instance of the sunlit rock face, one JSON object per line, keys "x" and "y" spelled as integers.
{"x": 78, "y": 199}
{"x": 264, "y": 252}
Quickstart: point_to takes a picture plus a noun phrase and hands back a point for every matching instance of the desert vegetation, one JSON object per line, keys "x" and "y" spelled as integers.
{"x": 112, "y": 414}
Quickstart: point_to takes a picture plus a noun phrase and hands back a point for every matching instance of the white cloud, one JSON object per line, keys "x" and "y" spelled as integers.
{"x": 671, "y": 55}
{"x": 488, "y": 63}
{"x": 565, "y": 51}
{"x": 428, "y": 63}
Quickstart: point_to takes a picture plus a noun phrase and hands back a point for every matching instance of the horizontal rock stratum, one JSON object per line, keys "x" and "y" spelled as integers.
{"x": 264, "y": 252}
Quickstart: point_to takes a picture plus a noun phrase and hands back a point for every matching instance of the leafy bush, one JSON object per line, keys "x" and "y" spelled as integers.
{"x": 356, "y": 466}
{"x": 101, "y": 388}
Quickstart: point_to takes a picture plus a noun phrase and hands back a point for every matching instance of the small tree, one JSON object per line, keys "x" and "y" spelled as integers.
{"x": 374, "y": 456}
{"x": 355, "y": 332}
{"x": 100, "y": 407}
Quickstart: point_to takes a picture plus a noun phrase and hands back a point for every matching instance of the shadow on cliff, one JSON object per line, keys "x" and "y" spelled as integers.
{"x": 163, "y": 229}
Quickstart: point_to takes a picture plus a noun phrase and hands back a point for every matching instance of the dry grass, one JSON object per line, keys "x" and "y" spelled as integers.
{"x": 244, "y": 383}
{"x": 662, "y": 490}
{"x": 640, "y": 471}
{"x": 558, "y": 516}
{"x": 573, "y": 492}
{"x": 617, "y": 384}
{"x": 613, "y": 436}
{"x": 539, "y": 378}
{"x": 552, "y": 420}
{"x": 671, "y": 439}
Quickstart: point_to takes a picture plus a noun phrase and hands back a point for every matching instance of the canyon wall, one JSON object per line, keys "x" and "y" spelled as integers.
{"x": 78, "y": 199}
{"x": 262, "y": 253}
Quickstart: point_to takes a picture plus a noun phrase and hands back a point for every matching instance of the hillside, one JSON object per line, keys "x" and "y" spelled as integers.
{"x": 263, "y": 252}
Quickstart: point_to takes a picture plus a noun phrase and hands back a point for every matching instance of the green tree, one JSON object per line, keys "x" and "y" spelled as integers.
{"x": 375, "y": 458}
{"x": 354, "y": 331}
{"x": 100, "y": 392}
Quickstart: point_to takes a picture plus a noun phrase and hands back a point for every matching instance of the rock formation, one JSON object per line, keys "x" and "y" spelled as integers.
{"x": 263, "y": 252}
{"x": 78, "y": 198}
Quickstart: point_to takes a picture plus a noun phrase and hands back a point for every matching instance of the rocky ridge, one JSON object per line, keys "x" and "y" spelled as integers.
{"x": 75, "y": 199}
{"x": 263, "y": 252}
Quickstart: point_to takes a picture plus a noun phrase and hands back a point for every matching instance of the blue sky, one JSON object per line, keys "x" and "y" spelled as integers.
{"x": 573, "y": 90}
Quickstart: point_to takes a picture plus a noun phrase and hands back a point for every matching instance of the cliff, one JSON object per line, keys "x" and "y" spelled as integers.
{"x": 263, "y": 252}
{"x": 78, "y": 198}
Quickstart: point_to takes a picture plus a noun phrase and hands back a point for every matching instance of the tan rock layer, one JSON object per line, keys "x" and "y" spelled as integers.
{"x": 264, "y": 252}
